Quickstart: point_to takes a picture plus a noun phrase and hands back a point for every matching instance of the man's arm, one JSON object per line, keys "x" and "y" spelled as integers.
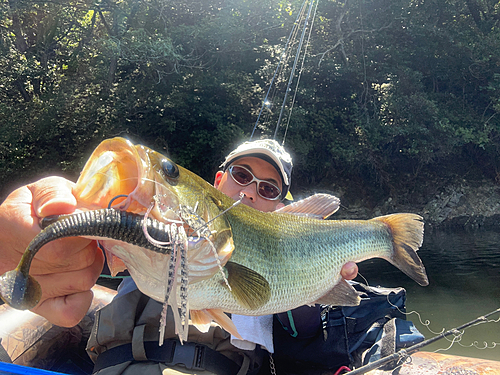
{"x": 66, "y": 269}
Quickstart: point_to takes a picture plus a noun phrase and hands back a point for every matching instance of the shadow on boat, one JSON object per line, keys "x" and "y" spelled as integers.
{"x": 32, "y": 341}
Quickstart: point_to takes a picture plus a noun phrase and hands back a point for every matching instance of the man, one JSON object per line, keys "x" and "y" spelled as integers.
{"x": 125, "y": 335}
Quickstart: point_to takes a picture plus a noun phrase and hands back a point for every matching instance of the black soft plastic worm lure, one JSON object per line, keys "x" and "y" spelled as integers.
{"x": 21, "y": 291}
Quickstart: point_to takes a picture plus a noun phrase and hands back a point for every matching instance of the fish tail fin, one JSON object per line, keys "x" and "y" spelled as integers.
{"x": 407, "y": 232}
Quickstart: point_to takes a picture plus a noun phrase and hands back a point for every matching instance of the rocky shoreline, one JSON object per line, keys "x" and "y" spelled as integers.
{"x": 459, "y": 204}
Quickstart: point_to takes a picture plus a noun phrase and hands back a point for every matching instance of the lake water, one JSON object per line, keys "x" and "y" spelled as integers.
{"x": 464, "y": 275}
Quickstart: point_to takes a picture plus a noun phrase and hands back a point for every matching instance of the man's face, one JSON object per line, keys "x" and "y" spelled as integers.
{"x": 260, "y": 169}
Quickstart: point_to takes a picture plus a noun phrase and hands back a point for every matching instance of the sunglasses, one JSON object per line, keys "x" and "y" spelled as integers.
{"x": 244, "y": 177}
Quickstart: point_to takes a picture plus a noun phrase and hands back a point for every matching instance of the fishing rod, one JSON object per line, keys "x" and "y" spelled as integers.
{"x": 404, "y": 353}
{"x": 305, "y": 17}
{"x": 294, "y": 67}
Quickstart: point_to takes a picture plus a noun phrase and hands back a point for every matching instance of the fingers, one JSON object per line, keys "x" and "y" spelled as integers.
{"x": 73, "y": 281}
{"x": 52, "y": 196}
{"x": 64, "y": 255}
{"x": 349, "y": 271}
{"x": 67, "y": 268}
{"x": 17, "y": 227}
{"x": 66, "y": 296}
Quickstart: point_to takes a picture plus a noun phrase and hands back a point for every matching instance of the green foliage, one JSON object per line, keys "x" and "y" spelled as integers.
{"x": 390, "y": 88}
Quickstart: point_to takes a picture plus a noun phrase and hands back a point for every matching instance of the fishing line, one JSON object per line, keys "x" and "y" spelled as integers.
{"x": 475, "y": 344}
{"x": 300, "y": 74}
{"x": 364, "y": 278}
{"x": 425, "y": 323}
{"x": 306, "y": 19}
{"x": 115, "y": 198}
{"x": 242, "y": 195}
{"x": 189, "y": 217}
{"x": 403, "y": 354}
{"x": 457, "y": 337}
{"x": 212, "y": 246}
{"x": 294, "y": 67}
{"x": 219, "y": 264}
{"x": 278, "y": 67}
{"x": 486, "y": 346}
{"x": 188, "y": 214}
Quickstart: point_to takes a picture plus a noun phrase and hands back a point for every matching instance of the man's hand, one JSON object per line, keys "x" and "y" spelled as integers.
{"x": 349, "y": 271}
{"x": 67, "y": 268}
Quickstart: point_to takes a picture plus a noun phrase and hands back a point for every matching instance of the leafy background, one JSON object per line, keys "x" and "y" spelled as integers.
{"x": 395, "y": 96}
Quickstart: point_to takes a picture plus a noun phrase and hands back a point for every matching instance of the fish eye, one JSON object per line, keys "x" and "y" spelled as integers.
{"x": 170, "y": 168}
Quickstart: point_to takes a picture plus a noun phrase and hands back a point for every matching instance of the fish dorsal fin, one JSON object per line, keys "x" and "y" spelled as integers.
{"x": 317, "y": 206}
{"x": 342, "y": 294}
{"x": 248, "y": 287}
{"x": 201, "y": 319}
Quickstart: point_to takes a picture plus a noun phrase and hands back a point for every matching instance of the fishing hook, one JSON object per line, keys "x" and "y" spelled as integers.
{"x": 242, "y": 195}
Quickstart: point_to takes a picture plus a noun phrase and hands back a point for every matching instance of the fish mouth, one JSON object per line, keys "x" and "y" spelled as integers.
{"x": 136, "y": 179}
{"x": 127, "y": 177}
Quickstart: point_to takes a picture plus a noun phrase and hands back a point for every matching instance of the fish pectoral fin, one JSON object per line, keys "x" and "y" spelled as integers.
{"x": 248, "y": 287}
{"x": 115, "y": 264}
{"x": 201, "y": 319}
{"x": 317, "y": 206}
{"x": 342, "y": 294}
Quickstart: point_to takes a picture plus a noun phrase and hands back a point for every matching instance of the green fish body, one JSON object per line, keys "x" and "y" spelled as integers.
{"x": 301, "y": 258}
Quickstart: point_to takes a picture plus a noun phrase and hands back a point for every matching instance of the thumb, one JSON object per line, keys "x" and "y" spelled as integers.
{"x": 52, "y": 196}
{"x": 349, "y": 271}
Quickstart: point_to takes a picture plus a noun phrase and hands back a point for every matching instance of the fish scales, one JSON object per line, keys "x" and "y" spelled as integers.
{"x": 293, "y": 254}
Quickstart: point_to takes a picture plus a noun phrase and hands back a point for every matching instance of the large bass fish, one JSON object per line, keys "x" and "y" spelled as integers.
{"x": 189, "y": 245}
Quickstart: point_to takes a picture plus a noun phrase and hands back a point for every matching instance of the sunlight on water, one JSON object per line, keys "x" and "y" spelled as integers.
{"x": 464, "y": 274}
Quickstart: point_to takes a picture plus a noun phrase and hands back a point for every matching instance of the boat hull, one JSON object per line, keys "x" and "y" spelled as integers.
{"x": 426, "y": 363}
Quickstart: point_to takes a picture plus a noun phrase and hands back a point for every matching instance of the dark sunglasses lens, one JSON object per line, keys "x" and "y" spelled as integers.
{"x": 241, "y": 175}
{"x": 268, "y": 190}
{"x": 245, "y": 177}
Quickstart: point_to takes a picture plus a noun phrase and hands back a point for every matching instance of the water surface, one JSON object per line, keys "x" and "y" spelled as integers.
{"x": 464, "y": 275}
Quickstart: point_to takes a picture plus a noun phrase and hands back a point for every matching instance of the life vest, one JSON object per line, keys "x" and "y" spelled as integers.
{"x": 124, "y": 340}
